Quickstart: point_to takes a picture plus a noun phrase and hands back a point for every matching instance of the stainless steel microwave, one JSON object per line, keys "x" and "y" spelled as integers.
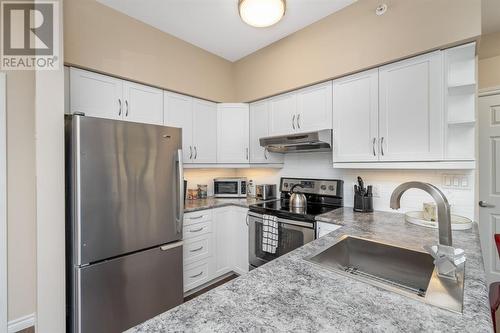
{"x": 230, "y": 187}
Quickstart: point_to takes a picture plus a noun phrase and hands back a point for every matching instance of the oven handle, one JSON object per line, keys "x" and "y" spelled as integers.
{"x": 285, "y": 221}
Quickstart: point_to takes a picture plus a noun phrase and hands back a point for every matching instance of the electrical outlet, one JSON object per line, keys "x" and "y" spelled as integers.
{"x": 456, "y": 182}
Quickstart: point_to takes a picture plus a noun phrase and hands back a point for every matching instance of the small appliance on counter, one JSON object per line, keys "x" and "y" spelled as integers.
{"x": 265, "y": 191}
{"x": 363, "y": 197}
{"x": 251, "y": 189}
{"x": 229, "y": 187}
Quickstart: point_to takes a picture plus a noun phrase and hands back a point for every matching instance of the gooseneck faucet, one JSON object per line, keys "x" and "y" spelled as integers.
{"x": 447, "y": 258}
{"x": 443, "y": 207}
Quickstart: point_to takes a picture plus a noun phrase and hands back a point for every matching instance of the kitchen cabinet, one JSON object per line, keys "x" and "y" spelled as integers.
{"x": 223, "y": 240}
{"x": 259, "y": 127}
{"x": 283, "y": 114}
{"x": 95, "y": 95}
{"x": 240, "y": 240}
{"x": 143, "y": 104}
{"x": 198, "y": 120}
{"x": 314, "y": 107}
{"x": 304, "y": 110}
{"x": 355, "y": 117}
{"x": 411, "y": 109}
{"x": 103, "y": 96}
{"x": 233, "y": 133}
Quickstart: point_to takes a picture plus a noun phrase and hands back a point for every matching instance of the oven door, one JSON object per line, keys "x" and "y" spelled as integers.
{"x": 228, "y": 189}
{"x": 291, "y": 235}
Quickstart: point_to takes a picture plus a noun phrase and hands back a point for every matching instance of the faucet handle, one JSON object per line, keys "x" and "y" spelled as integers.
{"x": 446, "y": 259}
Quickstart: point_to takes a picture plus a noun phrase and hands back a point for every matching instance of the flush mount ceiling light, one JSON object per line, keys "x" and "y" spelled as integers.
{"x": 261, "y": 13}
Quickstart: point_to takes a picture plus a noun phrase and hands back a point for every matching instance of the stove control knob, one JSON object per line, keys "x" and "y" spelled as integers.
{"x": 323, "y": 187}
{"x": 285, "y": 185}
{"x": 331, "y": 188}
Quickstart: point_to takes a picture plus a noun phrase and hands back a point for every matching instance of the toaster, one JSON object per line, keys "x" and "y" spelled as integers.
{"x": 265, "y": 191}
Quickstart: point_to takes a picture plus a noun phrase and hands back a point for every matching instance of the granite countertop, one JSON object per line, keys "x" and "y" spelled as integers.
{"x": 290, "y": 294}
{"x": 211, "y": 202}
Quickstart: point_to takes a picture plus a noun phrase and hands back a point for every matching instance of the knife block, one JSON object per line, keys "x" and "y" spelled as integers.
{"x": 363, "y": 204}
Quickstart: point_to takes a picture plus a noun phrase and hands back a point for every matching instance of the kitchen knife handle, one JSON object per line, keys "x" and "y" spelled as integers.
{"x": 382, "y": 146}
{"x": 180, "y": 198}
{"x": 373, "y": 146}
{"x": 293, "y": 122}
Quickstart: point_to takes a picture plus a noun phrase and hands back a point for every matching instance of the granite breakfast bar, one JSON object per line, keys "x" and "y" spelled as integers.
{"x": 291, "y": 294}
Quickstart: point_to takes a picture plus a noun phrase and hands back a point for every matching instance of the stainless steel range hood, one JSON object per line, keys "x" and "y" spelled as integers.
{"x": 300, "y": 142}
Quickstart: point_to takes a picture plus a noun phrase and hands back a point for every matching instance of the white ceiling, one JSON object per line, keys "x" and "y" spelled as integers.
{"x": 490, "y": 10}
{"x": 215, "y": 25}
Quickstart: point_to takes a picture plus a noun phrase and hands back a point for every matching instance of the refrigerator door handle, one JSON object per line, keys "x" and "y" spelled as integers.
{"x": 180, "y": 198}
{"x": 171, "y": 246}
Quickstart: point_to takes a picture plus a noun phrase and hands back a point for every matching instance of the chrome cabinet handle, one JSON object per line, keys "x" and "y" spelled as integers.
{"x": 196, "y": 275}
{"x": 382, "y": 146}
{"x": 196, "y": 217}
{"x": 196, "y": 250}
{"x": 126, "y": 109}
{"x": 190, "y": 152}
{"x": 484, "y": 204}
{"x": 196, "y": 230}
{"x": 374, "y": 141}
{"x": 195, "y": 152}
{"x": 298, "y": 120}
{"x": 265, "y": 153}
{"x": 246, "y": 149}
{"x": 293, "y": 122}
{"x": 120, "y": 109}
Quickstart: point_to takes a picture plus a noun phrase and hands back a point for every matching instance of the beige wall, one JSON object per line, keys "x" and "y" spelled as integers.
{"x": 354, "y": 39}
{"x": 100, "y": 38}
{"x": 21, "y": 193}
{"x": 489, "y": 61}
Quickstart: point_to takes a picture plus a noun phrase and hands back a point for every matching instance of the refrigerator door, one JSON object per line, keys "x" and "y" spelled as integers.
{"x": 126, "y": 185}
{"x": 118, "y": 294}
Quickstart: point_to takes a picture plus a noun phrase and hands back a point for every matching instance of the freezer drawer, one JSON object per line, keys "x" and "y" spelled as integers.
{"x": 118, "y": 294}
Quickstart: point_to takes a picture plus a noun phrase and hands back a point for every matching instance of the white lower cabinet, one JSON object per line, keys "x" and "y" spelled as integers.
{"x": 215, "y": 243}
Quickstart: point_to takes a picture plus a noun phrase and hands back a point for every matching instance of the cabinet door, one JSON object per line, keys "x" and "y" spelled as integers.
{"x": 143, "y": 104}
{"x": 314, "y": 107}
{"x": 355, "y": 117}
{"x": 259, "y": 127}
{"x": 240, "y": 241}
{"x": 283, "y": 114}
{"x": 222, "y": 227}
{"x": 233, "y": 133}
{"x": 204, "y": 132}
{"x": 411, "y": 109}
{"x": 95, "y": 95}
{"x": 178, "y": 112}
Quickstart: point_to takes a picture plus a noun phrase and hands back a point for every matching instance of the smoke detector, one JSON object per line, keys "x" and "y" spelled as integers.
{"x": 381, "y": 9}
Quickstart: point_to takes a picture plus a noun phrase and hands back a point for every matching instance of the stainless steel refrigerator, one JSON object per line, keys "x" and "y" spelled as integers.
{"x": 125, "y": 203}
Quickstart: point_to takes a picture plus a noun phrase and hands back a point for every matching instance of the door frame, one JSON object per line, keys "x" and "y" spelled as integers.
{"x": 3, "y": 203}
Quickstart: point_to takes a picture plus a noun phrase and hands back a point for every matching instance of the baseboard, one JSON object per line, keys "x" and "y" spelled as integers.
{"x": 21, "y": 323}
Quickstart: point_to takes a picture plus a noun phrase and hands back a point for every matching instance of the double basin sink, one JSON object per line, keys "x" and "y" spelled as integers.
{"x": 405, "y": 271}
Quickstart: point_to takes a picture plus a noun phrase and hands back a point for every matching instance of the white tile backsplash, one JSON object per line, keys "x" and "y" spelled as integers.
{"x": 319, "y": 165}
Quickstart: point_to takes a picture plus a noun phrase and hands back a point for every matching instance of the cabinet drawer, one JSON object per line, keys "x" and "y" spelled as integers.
{"x": 196, "y": 274}
{"x": 198, "y": 229}
{"x": 197, "y": 217}
{"x": 197, "y": 248}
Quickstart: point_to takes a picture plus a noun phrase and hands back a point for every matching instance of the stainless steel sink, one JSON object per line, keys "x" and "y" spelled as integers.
{"x": 405, "y": 271}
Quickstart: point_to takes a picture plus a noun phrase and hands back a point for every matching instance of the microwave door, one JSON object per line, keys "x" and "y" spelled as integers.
{"x": 226, "y": 188}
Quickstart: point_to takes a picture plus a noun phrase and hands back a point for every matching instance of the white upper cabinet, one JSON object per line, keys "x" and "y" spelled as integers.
{"x": 233, "y": 133}
{"x": 355, "y": 117}
{"x": 96, "y": 95}
{"x": 259, "y": 127}
{"x": 411, "y": 109}
{"x": 178, "y": 112}
{"x": 314, "y": 107}
{"x": 198, "y": 120}
{"x": 204, "y": 131}
{"x": 104, "y": 96}
{"x": 283, "y": 114}
{"x": 143, "y": 104}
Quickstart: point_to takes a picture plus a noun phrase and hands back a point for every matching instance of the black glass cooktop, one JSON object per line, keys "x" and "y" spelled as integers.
{"x": 281, "y": 208}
